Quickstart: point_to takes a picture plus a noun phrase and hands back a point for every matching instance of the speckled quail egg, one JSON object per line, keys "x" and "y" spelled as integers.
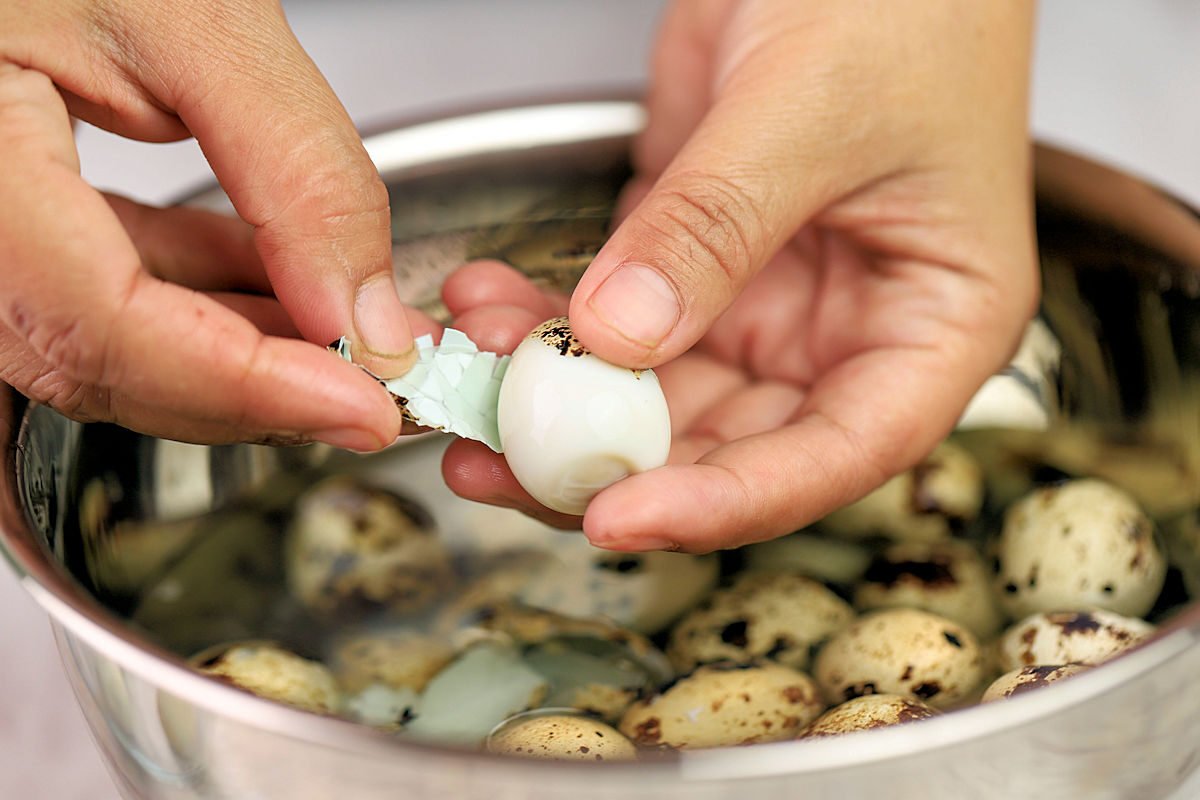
{"x": 948, "y": 578}
{"x": 723, "y": 705}
{"x": 776, "y": 615}
{"x": 1026, "y": 679}
{"x": 398, "y": 659}
{"x": 269, "y": 671}
{"x": 572, "y": 424}
{"x": 353, "y": 548}
{"x": 1065, "y": 637}
{"x": 868, "y": 712}
{"x": 481, "y": 688}
{"x": 644, "y": 592}
{"x": 560, "y": 737}
{"x": 826, "y": 559}
{"x": 901, "y": 651}
{"x": 1080, "y": 544}
{"x": 930, "y": 501}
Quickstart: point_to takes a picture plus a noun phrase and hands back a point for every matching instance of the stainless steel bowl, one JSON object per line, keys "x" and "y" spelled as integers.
{"x": 535, "y": 185}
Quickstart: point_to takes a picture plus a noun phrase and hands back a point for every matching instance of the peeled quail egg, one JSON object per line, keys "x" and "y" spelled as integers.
{"x": 945, "y": 577}
{"x": 572, "y": 424}
{"x": 775, "y": 615}
{"x": 724, "y": 705}
{"x": 1027, "y": 679}
{"x": 1065, "y": 637}
{"x": 901, "y": 651}
{"x": 354, "y": 548}
{"x": 561, "y": 737}
{"x": 1081, "y": 544}
{"x": 868, "y": 712}
{"x": 928, "y": 502}
{"x": 269, "y": 671}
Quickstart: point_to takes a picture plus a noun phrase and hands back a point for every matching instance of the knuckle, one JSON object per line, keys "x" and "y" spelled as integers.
{"x": 71, "y": 398}
{"x": 714, "y": 225}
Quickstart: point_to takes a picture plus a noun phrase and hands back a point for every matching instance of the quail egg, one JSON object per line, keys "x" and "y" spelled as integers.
{"x": 396, "y": 659}
{"x": 269, "y": 671}
{"x": 572, "y": 424}
{"x": 1026, "y": 679}
{"x": 595, "y": 676}
{"x": 901, "y": 651}
{"x": 724, "y": 705}
{"x": 948, "y": 578}
{"x": 353, "y": 548}
{"x": 1081, "y": 544}
{"x": 1065, "y": 637}
{"x": 644, "y": 592}
{"x": 561, "y": 737}
{"x": 868, "y": 712}
{"x": 776, "y": 615}
{"x": 826, "y": 559}
{"x": 931, "y": 501}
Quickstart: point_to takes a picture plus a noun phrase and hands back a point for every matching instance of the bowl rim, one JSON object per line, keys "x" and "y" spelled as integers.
{"x": 448, "y": 138}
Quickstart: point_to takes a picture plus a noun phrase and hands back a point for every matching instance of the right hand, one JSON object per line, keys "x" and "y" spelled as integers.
{"x": 176, "y": 322}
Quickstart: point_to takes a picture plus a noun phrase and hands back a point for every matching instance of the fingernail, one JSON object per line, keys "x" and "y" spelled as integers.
{"x": 638, "y": 303}
{"x": 379, "y": 319}
{"x": 348, "y": 439}
{"x": 637, "y": 545}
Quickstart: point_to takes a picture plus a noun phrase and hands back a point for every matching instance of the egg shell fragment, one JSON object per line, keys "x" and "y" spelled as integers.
{"x": 775, "y": 615}
{"x": 947, "y": 578}
{"x": 561, "y": 737}
{"x": 1066, "y": 637}
{"x": 1026, "y": 679}
{"x": 1080, "y": 544}
{"x": 573, "y": 424}
{"x": 866, "y": 713}
{"x": 725, "y": 705}
{"x": 901, "y": 651}
{"x": 271, "y": 672}
{"x": 353, "y": 549}
{"x": 929, "y": 502}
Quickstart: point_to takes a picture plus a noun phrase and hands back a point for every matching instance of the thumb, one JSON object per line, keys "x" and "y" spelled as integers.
{"x": 753, "y": 172}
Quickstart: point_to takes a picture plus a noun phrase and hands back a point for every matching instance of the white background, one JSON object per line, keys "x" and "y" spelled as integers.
{"x": 1118, "y": 80}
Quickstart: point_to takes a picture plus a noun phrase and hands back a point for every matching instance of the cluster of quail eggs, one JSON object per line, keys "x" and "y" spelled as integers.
{"x": 913, "y": 602}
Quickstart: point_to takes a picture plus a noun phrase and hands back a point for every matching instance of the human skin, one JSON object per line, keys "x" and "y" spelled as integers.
{"x": 178, "y": 322}
{"x": 827, "y": 249}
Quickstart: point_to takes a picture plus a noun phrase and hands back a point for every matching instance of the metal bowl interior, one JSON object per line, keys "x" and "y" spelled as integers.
{"x": 536, "y": 186}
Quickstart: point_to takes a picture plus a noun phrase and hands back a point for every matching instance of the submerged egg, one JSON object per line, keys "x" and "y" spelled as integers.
{"x": 573, "y": 424}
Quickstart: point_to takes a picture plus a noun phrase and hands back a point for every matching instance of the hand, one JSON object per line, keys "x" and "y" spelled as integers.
{"x": 828, "y": 249}
{"x": 177, "y": 322}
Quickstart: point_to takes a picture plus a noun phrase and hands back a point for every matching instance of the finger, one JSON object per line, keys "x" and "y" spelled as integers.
{"x": 287, "y": 154}
{"x": 693, "y": 384}
{"x": 842, "y": 444}
{"x": 193, "y": 247}
{"x": 474, "y": 472}
{"x": 488, "y": 282}
{"x": 265, "y": 313}
{"x": 76, "y": 297}
{"x": 681, "y": 80}
{"x": 498, "y": 329}
{"x": 765, "y": 158}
